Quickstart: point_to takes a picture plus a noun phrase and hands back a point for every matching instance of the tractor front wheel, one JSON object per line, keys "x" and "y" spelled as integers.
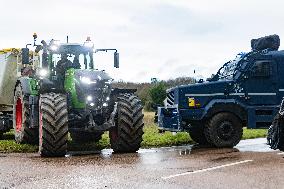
{"x": 126, "y": 136}
{"x": 53, "y": 127}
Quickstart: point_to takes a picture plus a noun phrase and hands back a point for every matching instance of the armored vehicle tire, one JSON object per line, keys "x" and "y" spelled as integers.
{"x": 84, "y": 137}
{"x": 53, "y": 125}
{"x": 224, "y": 130}
{"x": 21, "y": 118}
{"x": 126, "y": 136}
{"x": 196, "y": 133}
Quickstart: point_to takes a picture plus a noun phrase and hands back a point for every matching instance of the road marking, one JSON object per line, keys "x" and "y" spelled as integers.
{"x": 207, "y": 169}
{"x": 281, "y": 153}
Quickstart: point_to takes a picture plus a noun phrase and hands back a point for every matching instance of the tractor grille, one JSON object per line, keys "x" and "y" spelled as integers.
{"x": 170, "y": 98}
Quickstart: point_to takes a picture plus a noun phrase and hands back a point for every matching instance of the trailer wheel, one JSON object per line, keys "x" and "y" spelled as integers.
{"x": 21, "y": 118}
{"x": 53, "y": 127}
{"x": 84, "y": 137}
{"x": 126, "y": 136}
{"x": 196, "y": 132}
{"x": 224, "y": 130}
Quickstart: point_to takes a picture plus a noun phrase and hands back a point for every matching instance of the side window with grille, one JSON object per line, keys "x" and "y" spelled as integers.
{"x": 262, "y": 69}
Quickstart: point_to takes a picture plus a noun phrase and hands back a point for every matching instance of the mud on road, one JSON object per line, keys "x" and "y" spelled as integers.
{"x": 250, "y": 165}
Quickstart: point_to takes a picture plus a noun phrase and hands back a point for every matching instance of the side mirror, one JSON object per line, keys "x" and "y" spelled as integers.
{"x": 116, "y": 60}
{"x": 25, "y": 56}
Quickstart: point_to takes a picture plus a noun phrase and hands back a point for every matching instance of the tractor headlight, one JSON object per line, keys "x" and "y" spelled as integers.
{"x": 87, "y": 80}
{"x": 42, "y": 72}
{"x": 89, "y": 98}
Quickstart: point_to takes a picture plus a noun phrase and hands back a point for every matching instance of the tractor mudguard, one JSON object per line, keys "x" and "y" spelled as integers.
{"x": 116, "y": 91}
{"x": 47, "y": 86}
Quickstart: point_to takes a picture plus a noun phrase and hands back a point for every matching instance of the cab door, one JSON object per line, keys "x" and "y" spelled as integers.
{"x": 261, "y": 85}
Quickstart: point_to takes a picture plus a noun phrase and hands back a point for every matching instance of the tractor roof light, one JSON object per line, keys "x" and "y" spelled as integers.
{"x": 54, "y": 45}
{"x": 88, "y": 43}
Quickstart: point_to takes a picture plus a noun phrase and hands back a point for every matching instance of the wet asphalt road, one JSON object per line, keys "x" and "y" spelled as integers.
{"x": 250, "y": 165}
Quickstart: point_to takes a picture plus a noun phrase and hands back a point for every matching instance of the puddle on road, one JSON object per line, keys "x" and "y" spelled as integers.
{"x": 157, "y": 154}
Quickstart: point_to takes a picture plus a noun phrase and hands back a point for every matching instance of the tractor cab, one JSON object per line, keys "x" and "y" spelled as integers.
{"x": 80, "y": 56}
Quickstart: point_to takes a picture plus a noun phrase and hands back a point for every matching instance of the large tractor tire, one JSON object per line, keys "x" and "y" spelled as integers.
{"x": 53, "y": 127}
{"x": 85, "y": 137}
{"x": 196, "y": 132}
{"x": 126, "y": 136}
{"x": 224, "y": 130}
{"x": 21, "y": 118}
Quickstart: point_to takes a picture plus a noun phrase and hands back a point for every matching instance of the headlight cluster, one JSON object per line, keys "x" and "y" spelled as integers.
{"x": 87, "y": 80}
{"x": 42, "y": 73}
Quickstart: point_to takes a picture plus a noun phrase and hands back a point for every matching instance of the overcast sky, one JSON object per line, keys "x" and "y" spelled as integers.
{"x": 156, "y": 38}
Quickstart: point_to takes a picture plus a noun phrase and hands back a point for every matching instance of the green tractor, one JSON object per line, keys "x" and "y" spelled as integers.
{"x": 65, "y": 94}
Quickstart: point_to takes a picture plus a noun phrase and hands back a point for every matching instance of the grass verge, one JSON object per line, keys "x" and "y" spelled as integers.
{"x": 151, "y": 138}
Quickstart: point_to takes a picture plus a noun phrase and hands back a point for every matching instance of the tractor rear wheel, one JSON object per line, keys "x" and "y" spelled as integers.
{"x": 85, "y": 137}
{"x": 53, "y": 127}
{"x": 21, "y": 118}
{"x": 224, "y": 130}
{"x": 196, "y": 132}
{"x": 126, "y": 136}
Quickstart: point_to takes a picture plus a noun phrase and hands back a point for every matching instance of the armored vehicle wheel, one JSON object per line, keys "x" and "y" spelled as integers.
{"x": 84, "y": 137}
{"x": 21, "y": 118}
{"x": 53, "y": 127}
{"x": 224, "y": 130}
{"x": 126, "y": 136}
{"x": 196, "y": 133}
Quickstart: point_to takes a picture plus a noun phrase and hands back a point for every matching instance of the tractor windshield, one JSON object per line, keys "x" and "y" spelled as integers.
{"x": 77, "y": 61}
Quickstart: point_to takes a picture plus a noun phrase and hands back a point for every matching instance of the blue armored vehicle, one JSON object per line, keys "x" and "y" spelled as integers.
{"x": 245, "y": 92}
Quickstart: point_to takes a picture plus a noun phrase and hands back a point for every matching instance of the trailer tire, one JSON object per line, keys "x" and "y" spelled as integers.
{"x": 126, "y": 136}
{"x": 224, "y": 130}
{"x": 53, "y": 127}
{"x": 196, "y": 132}
{"x": 21, "y": 118}
{"x": 85, "y": 137}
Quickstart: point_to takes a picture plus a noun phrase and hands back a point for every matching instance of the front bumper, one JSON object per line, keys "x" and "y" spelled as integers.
{"x": 169, "y": 119}
{"x": 172, "y": 118}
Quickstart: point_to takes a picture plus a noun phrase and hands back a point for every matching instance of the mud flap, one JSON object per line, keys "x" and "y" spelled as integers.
{"x": 169, "y": 119}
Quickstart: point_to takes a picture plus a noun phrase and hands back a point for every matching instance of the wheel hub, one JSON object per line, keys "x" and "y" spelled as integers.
{"x": 19, "y": 114}
{"x": 225, "y": 130}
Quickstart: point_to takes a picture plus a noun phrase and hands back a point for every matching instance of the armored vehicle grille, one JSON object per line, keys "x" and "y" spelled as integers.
{"x": 170, "y": 98}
